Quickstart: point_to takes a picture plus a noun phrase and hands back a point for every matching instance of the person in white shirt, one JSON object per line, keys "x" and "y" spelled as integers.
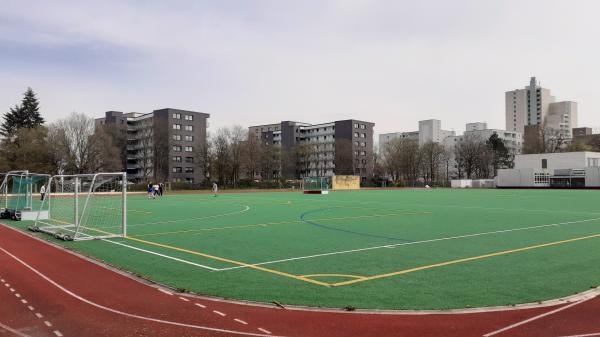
{"x": 215, "y": 188}
{"x": 42, "y": 192}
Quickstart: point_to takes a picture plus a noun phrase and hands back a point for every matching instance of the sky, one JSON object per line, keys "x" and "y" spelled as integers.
{"x": 255, "y": 62}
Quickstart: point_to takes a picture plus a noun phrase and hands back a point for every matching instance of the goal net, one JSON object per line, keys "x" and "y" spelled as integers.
{"x": 85, "y": 207}
{"x": 316, "y": 185}
{"x": 20, "y": 194}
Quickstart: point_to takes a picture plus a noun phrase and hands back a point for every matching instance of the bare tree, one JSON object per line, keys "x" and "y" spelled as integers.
{"x": 431, "y": 160}
{"x": 237, "y": 135}
{"x": 467, "y": 154}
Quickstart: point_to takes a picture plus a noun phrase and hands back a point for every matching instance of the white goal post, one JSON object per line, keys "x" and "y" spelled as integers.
{"x": 84, "y": 207}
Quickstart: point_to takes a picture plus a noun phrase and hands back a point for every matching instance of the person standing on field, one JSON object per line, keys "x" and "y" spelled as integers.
{"x": 215, "y": 188}
{"x": 42, "y": 192}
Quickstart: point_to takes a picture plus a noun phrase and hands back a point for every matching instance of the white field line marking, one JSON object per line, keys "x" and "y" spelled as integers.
{"x": 164, "y": 291}
{"x": 531, "y": 319}
{"x": 240, "y": 321}
{"x": 585, "y": 335}
{"x": 12, "y": 290}
{"x": 410, "y": 243}
{"x": 162, "y": 255}
{"x": 118, "y": 312}
{"x": 9, "y": 329}
{"x": 30, "y": 308}
{"x": 246, "y": 209}
{"x": 38, "y": 315}
{"x": 265, "y": 331}
{"x": 1, "y": 279}
{"x": 199, "y": 305}
{"x": 219, "y": 313}
{"x": 57, "y": 333}
{"x": 183, "y": 299}
{"x": 48, "y": 324}
{"x": 24, "y": 301}
{"x": 7, "y": 285}
{"x": 18, "y": 295}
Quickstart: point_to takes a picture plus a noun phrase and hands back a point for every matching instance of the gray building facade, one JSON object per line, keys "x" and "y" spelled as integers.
{"x": 163, "y": 145}
{"x": 342, "y": 147}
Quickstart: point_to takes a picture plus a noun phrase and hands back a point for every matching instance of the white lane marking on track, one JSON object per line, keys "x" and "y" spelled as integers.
{"x": 1, "y": 279}
{"x": 199, "y": 305}
{"x": 57, "y": 333}
{"x": 585, "y": 335}
{"x": 18, "y": 295}
{"x": 265, "y": 331}
{"x": 7, "y": 285}
{"x": 12, "y": 290}
{"x": 162, "y": 255}
{"x": 38, "y": 315}
{"x": 240, "y": 321}
{"x": 118, "y": 312}
{"x": 219, "y": 313}
{"x": 183, "y": 299}
{"x": 30, "y": 308}
{"x": 9, "y": 329}
{"x": 534, "y": 318}
{"x": 410, "y": 243}
{"x": 24, "y": 301}
{"x": 164, "y": 291}
{"x": 48, "y": 324}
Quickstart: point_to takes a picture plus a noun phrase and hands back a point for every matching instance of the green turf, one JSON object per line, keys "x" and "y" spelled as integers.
{"x": 261, "y": 227}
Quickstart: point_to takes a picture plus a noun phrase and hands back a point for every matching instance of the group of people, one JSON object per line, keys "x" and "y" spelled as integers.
{"x": 155, "y": 190}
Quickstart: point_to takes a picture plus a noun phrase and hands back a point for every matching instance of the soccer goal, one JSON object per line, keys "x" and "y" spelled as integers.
{"x": 19, "y": 194}
{"x": 318, "y": 185}
{"x": 85, "y": 207}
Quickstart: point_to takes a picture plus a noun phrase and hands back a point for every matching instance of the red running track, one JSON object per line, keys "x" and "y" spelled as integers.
{"x": 63, "y": 294}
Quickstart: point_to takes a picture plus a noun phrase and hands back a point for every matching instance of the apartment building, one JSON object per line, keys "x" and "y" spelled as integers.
{"x": 342, "y": 147}
{"x": 535, "y": 105}
{"x": 163, "y": 145}
{"x": 429, "y": 131}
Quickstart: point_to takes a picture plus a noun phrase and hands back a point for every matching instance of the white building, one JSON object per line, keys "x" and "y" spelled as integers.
{"x": 429, "y": 131}
{"x": 535, "y": 105}
{"x": 561, "y": 170}
{"x": 512, "y": 140}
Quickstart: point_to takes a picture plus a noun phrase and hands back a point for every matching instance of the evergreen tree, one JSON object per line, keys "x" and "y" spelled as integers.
{"x": 26, "y": 115}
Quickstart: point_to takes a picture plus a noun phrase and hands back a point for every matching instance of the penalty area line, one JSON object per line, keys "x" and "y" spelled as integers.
{"x": 412, "y": 243}
{"x": 163, "y": 255}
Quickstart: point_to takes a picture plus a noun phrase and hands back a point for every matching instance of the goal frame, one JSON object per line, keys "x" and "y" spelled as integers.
{"x": 75, "y": 227}
{"x": 322, "y": 182}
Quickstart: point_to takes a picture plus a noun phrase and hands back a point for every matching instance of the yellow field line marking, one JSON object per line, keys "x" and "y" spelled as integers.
{"x": 335, "y": 275}
{"x": 118, "y": 209}
{"x": 280, "y": 223}
{"x": 441, "y": 264}
{"x": 276, "y": 272}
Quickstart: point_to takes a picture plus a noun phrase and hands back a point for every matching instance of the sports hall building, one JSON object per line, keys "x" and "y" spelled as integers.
{"x": 552, "y": 170}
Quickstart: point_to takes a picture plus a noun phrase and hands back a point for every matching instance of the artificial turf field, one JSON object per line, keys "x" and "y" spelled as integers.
{"x": 378, "y": 249}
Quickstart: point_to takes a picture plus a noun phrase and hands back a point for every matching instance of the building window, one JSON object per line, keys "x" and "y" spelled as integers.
{"x": 189, "y": 128}
{"x": 189, "y": 117}
{"x": 176, "y": 126}
{"x": 189, "y": 159}
{"x": 362, "y": 126}
{"x": 176, "y": 116}
{"x": 188, "y": 149}
{"x": 356, "y": 125}
{"x": 176, "y": 137}
{"x": 363, "y": 153}
{"x": 356, "y": 135}
{"x": 544, "y": 163}
{"x": 177, "y": 159}
{"x": 176, "y": 180}
{"x": 356, "y": 152}
{"x": 189, "y": 138}
{"x": 176, "y": 148}
{"x": 363, "y": 135}
{"x": 177, "y": 169}
{"x": 355, "y": 143}
{"x": 363, "y": 144}
{"x": 189, "y": 180}
{"x": 189, "y": 170}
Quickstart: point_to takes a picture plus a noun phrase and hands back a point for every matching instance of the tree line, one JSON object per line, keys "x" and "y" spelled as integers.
{"x": 406, "y": 163}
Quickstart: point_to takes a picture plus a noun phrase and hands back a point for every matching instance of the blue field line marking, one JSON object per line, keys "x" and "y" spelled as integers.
{"x": 316, "y": 224}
